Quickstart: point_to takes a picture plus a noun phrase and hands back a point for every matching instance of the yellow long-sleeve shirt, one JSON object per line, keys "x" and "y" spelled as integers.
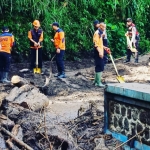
{"x": 98, "y": 41}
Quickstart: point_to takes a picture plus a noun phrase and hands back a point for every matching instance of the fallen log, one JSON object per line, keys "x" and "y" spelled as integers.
{"x": 15, "y": 92}
{"x": 18, "y": 81}
{"x": 16, "y": 139}
{"x": 28, "y": 96}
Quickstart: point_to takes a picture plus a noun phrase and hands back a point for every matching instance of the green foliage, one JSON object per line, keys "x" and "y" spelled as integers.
{"x": 76, "y": 19}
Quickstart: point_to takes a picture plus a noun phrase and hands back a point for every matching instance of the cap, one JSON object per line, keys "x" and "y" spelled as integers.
{"x": 95, "y": 22}
{"x": 129, "y": 20}
{"x": 55, "y": 24}
{"x": 5, "y": 28}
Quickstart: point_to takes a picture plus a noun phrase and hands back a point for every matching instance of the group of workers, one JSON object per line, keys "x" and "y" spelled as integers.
{"x": 35, "y": 36}
{"x": 101, "y": 50}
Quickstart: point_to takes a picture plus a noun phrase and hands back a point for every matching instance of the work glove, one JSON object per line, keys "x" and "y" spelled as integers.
{"x": 108, "y": 51}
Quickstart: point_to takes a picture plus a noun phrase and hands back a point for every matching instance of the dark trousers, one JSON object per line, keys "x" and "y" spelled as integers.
{"x": 99, "y": 62}
{"x": 5, "y": 60}
{"x": 60, "y": 61}
{"x": 33, "y": 58}
{"x": 105, "y": 43}
{"x": 129, "y": 52}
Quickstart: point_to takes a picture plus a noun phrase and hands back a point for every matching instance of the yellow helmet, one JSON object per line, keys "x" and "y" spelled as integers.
{"x": 36, "y": 23}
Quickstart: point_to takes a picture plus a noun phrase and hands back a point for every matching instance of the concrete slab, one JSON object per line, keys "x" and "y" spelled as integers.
{"x": 132, "y": 90}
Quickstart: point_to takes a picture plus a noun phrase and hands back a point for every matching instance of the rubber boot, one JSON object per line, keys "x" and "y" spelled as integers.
{"x": 98, "y": 81}
{"x": 1, "y": 76}
{"x": 62, "y": 75}
{"x": 95, "y": 79}
{"x": 5, "y": 77}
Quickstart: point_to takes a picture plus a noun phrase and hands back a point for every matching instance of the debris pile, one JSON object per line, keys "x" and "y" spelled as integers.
{"x": 87, "y": 130}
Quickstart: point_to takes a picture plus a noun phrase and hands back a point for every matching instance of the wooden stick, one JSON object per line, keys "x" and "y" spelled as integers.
{"x": 14, "y": 131}
{"x": 50, "y": 74}
{"x": 45, "y": 128}
{"x": 129, "y": 140}
{"x": 16, "y": 139}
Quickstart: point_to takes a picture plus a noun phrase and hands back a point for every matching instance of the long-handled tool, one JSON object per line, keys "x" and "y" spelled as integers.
{"x": 37, "y": 70}
{"x": 119, "y": 78}
{"x": 130, "y": 45}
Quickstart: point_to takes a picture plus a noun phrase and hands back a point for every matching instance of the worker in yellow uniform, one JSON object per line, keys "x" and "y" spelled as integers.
{"x": 99, "y": 52}
{"x": 59, "y": 43}
{"x": 35, "y": 36}
{"x": 6, "y": 43}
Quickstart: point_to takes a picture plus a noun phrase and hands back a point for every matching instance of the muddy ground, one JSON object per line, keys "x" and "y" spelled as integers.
{"x": 77, "y": 90}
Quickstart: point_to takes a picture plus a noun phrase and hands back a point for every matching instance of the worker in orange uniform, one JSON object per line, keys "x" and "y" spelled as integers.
{"x": 99, "y": 52}
{"x": 35, "y": 36}
{"x": 59, "y": 43}
{"x": 6, "y": 43}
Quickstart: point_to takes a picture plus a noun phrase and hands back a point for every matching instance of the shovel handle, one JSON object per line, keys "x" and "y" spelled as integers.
{"x": 37, "y": 57}
{"x": 114, "y": 64}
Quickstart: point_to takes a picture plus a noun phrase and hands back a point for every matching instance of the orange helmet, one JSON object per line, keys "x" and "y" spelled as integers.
{"x": 36, "y": 23}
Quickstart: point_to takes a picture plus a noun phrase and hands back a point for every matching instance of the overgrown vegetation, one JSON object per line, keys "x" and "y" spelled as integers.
{"x": 75, "y": 18}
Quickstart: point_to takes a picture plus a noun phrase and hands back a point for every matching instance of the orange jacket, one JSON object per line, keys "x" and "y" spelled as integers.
{"x": 98, "y": 40}
{"x": 59, "y": 39}
{"x": 6, "y": 42}
{"x": 37, "y": 36}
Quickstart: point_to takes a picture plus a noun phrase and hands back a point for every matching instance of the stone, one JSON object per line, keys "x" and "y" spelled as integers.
{"x": 126, "y": 124}
{"x": 123, "y": 111}
{"x": 135, "y": 114}
{"x": 139, "y": 127}
{"x": 115, "y": 122}
{"x": 143, "y": 117}
{"x": 120, "y": 122}
{"x": 129, "y": 113}
{"x": 147, "y": 133}
{"x": 117, "y": 109}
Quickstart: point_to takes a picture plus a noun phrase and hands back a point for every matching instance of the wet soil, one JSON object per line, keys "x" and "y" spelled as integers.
{"x": 68, "y": 95}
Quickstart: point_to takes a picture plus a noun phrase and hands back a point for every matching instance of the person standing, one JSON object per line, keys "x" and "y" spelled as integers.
{"x": 6, "y": 43}
{"x": 59, "y": 43}
{"x": 96, "y": 24}
{"x": 35, "y": 36}
{"x": 99, "y": 53}
{"x": 134, "y": 37}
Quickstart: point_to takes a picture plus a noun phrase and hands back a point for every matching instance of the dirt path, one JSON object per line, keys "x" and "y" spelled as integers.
{"x": 70, "y": 93}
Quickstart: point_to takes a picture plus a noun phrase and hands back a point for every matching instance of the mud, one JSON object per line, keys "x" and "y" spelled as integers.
{"x": 69, "y": 94}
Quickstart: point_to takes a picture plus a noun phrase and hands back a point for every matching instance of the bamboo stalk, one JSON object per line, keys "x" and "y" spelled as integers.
{"x": 128, "y": 140}
{"x": 16, "y": 139}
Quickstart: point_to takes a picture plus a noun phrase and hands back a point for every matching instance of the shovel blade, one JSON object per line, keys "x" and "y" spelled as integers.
{"x": 37, "y": 70}
{"x": 133, "y": 49}
{"x": 121, "y": 79}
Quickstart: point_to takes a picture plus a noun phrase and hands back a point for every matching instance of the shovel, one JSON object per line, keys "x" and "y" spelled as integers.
{"x": 119, "y": 78}
{"x": 37, "y": 70}
{"x": 130, "y": 45}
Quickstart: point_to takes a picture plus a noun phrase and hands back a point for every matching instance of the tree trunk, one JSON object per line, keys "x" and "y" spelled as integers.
{"x": 18, "y": 81}
{"x": 27, "y": 96}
